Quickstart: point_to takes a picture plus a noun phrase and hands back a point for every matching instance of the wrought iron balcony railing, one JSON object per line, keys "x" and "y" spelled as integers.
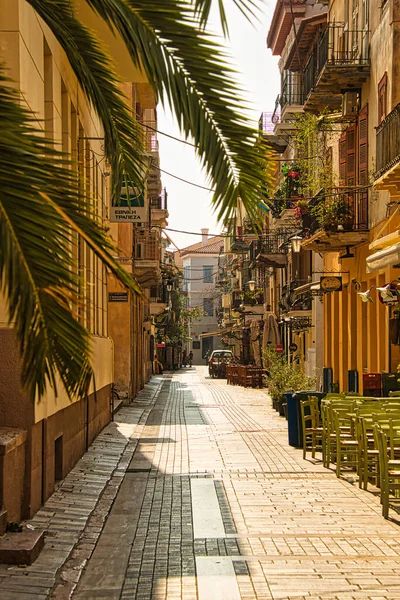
{"x": 160, "y": 203}
{"x": 388, "y": 142}
{"x": 336, "y": 47}
{"x": 345, "y": 212}
{"x": 271, "y": 243}
{"x": 291, "y": 92}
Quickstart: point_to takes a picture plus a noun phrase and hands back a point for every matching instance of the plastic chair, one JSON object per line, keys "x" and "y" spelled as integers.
{"x": 346, "y": 445}
{"x": 389, "y": 476}
{"x": 310, "y": 422}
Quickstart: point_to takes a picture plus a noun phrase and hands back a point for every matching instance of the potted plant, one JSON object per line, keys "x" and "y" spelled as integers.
{"x": 334, "y": 214}
{"x": 284, "y": 377}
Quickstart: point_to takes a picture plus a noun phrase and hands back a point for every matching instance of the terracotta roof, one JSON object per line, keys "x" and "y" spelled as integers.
{"x": 214, "y": 245}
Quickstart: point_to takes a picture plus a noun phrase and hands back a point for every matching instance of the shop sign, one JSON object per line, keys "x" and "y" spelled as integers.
{"x": 293, "y": 347}
{"x": 131, "y": 206}
{"x": 331, "y": 283}
{"x": 393, "y": 298}
{"x": 161, "y": 345}
{"x": 279, "y": 349}
{"x": 118, "y": 296}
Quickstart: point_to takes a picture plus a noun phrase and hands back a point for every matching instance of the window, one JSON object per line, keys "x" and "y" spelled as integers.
{"x": 208, "y": 307}
{"x": 207, "y": 274}
{"x": 382, "y": 98}
{"x": 186, "y": 276}
{"x": 196, "y": 345}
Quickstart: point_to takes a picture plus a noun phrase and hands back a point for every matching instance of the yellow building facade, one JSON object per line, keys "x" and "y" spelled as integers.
{"x": 338, "y": 62}
{"x": 52, "y": 434}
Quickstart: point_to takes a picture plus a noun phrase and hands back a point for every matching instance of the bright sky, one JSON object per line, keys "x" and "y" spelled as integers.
{"x": 190, "y": 207}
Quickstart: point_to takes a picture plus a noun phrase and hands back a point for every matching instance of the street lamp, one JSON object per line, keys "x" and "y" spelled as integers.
{"x": 296, "y": 243}
{"x": 169, "y": 284}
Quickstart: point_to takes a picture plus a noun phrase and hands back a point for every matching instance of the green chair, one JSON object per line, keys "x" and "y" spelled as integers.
{"x": 389, "y": 475}
{"x": 312, "y": 429}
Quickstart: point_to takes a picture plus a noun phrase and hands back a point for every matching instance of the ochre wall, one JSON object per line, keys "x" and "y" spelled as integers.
{"x": 357, "y": 333}
{"x": 71, "y": 424}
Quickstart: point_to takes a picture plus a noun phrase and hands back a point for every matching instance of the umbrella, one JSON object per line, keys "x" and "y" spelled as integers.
{"x": 271, "y": 331}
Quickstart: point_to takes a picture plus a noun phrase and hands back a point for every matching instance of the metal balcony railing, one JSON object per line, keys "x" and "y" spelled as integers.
{"x": 267, "y": 121}
{"x": 336, "y": 46}
{"x": 160, "y": 202}
{"x": 150, "y": 135}
{"x": 271, "y": 243}
{"x": 291, "y": 93}
{"x": 355, "y": 218}
{"x": 147, "y": 246}
{"x": 388, "y": 142}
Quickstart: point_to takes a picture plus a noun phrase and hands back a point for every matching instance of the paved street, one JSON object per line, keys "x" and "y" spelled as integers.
{"x": 193, "y": 493}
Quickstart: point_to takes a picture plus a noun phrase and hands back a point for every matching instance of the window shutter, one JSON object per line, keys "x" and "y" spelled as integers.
{"x": 363, "y": 146}
{"x": 350, "y": 155}
{"x": 342, "y": 158}
{"x": 382, "y": 98}
{"x": 362, "y": 200}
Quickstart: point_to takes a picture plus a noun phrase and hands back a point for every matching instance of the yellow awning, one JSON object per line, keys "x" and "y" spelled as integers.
{"x": 384, "y": 258}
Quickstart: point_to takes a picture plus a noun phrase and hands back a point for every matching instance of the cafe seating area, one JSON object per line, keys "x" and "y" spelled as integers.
{"x": 245, "y": 375}
{"x": 357, "y": 435}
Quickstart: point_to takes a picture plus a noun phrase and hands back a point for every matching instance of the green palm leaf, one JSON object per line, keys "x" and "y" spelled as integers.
{"x": 122, "y": 134}
{"x": 39, "y": 204}
{"x": 248, "y": 8}
{"x": 189, "y": 70}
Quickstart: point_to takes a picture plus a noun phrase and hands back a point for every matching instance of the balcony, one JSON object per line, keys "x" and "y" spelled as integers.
{"x": 159, "y": 210}
{"x": 271, "y": 248}
{"x": 266, "y": 127}
{"x": 339, "y": 62}
{"x": 147, "y": 258}
{"x": 291, "y": 98}
{"x": 342, "y": 221}
{"x": 388, "y": 152}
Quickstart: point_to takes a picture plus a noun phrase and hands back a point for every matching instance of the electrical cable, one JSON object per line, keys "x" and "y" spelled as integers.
{"x": 172, "y": 137}
{"x": 202, "y": 187}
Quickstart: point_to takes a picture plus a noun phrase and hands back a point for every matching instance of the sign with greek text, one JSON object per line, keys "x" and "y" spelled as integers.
{"x": 131, "y": 206}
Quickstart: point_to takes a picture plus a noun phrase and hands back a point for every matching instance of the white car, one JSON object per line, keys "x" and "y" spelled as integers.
{"x": 218, "y": 361}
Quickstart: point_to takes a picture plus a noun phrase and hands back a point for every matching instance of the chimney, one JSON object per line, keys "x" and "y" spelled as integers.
{"x": 204, "y": 237}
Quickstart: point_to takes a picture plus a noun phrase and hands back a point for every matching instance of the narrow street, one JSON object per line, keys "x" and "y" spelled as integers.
{"x": 193, "y": 493}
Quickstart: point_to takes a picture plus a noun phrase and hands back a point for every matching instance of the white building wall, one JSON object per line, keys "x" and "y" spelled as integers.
{"x": 198, "y": 291}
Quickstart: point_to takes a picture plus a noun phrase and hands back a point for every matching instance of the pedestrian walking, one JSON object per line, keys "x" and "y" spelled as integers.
{"x": 184, "y": 359}
{"x": 190, "y": 358}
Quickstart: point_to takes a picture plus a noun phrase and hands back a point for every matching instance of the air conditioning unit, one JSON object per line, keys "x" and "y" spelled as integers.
{"x": 350, "y": 104}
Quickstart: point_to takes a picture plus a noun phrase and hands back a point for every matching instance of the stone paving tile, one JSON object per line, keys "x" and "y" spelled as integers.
{"x": 74, "y": 515}
{"x": 293, "y": 530}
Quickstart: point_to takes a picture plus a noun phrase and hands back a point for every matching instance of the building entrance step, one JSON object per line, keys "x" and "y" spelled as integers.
{"x": 21, "y": 548}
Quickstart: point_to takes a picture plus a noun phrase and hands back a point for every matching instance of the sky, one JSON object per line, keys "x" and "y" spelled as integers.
{"x": 190, "y": 207}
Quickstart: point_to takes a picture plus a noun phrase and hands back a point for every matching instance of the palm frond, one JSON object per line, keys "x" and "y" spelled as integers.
{"x": 39, "y": 205}
{"x": 189, "y": 69}
{"x": 92, "y": 67}
{"x": 249, "y": 9}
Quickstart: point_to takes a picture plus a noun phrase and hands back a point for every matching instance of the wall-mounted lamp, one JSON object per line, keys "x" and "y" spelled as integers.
{"x": 252, "y": 285}
{"x": 296, "y": 243}
{"x": 386, "y": 292}
{"x": 169, "y": 284}
{"x": 366, "y": 296}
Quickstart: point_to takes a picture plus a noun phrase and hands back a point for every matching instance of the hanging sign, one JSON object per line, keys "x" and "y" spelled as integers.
{"x": 279, "y": 349}
{"x": 131, "y": 206}
{"x": 331, "y": 283}
{"x": 161, "y": 345}
{"x": 293, "y": 347}
{"x": 392, "y": 295}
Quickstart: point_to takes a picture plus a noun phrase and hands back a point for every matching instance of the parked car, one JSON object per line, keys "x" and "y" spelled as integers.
{"x": 218, "y": 361}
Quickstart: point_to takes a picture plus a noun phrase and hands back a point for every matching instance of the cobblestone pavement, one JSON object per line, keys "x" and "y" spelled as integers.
{"x": 194, "y": 494}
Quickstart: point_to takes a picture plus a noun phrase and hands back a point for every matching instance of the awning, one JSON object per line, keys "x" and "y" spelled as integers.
{"x": 384, "y": 258}
{"x": 221, "y": 331}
